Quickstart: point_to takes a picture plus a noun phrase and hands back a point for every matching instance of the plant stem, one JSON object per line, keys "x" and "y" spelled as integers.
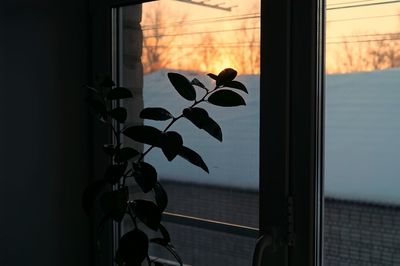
{"x": 176, "y": 119}
{"x": 116, "y": 134}
{"x": 132, "y": 217}
{"x": 165, "y": 130}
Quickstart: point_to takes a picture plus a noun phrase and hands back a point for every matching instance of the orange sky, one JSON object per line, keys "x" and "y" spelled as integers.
{"x": 335, "y": 29}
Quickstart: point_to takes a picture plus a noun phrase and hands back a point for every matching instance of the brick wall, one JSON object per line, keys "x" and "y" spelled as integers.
{"x": 356, "y": 233}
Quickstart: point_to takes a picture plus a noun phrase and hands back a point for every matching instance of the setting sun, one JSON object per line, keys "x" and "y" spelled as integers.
{"x": 190, "y": 37}
{"x": 219, "y": 65}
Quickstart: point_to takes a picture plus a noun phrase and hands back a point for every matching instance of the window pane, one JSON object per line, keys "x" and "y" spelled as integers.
{"x": 193, "y": 40}
{"x": 362, "y": 129}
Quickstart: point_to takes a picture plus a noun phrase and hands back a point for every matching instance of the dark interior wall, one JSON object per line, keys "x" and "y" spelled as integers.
{"x": 44, "y": 151}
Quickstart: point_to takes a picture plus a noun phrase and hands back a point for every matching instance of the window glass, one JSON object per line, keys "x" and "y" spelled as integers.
{"x": 362, "y": 129}
{"x": 193, "y": 39}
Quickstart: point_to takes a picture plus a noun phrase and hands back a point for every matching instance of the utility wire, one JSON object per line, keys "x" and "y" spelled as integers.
{"x": 179, "y": 24}
{"x": 257, "y": 44}
{"x": 200, "y": 32}
{"x": 366, "y": 35}
{"x": 351, "y": 2}
{"x": 203, "y": 44}
{"x": 210, "y": 46}
{"x": 363, "y": 5}
{"x": 219, "y": 47}
{"x": 200, "y": 22}
{"x": 203, "y": 20}
{"x": 371, "y": 40}
{"x": 257, "y": 15}
{"x": 362, "y": 18}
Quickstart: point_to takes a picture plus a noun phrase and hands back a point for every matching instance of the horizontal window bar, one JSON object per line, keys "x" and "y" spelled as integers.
{"x": 211, "y": 225}
{"x": 166, "y": 261}
{"x": 121, "y": 3}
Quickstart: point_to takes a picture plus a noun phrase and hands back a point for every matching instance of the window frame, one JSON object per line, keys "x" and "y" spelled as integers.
{"x": 291, "y": 126}
{"x": 291, "y": 151}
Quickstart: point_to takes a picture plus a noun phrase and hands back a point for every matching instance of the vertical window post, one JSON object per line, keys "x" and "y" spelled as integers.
{"x": 291, "y": 131}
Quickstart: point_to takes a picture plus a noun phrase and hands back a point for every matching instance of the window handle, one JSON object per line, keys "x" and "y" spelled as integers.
{"x": 264, "y": 244}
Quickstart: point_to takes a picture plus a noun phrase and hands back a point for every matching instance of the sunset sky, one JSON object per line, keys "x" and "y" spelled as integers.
{"x": 207, "y": 27}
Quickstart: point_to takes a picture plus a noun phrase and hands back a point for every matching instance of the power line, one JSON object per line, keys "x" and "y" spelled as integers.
{"x": 204, "y": 4}
{"x": 366, "y": 35}
{"x": 362, "y": 18}
{"x": 257, "y": 44}
{"x": 222, "y": 19}
{"x": 351, "y": 2}
{"x": 372, "y": 40}
{"x": 210, "y": 46}
{"x": 363, "y": 5}
{"x": 221, "y": 46}
{"x": 203, "y": 20}
{"x": 200, "y": 32}
{"x": 257, "y": 15}
{"x": 217, "y": 44}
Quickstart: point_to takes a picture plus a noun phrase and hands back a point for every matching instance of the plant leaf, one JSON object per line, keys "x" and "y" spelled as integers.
{"x": 226, "y": 75}
{"x": 212, "y": 128}
{"x": 92, "y": 89}
{"x": 199, "y": 117}
{"x": 157, "y": 263}
{"x": 114, "y": 203}
{"x": 119, "y": 114}
{"x": 172, "y": 250}
{"x": 160, "y": 196}
{"x": 91, "y": 193}
{"x": 148, "y": 213}
{"x": 192, "y": 157}
{"x": 183, "y": 86}
{"x": 198, "y": 83}
{"x": 145, "y": 175}
{"x": 226, "y": 98}
{"x": 109, "y": 149}
{"x": 119, "y": 93}
{"x": 107, "y": 82}
{"x": 171, "y": 144}
{"x": 114, "y": 173}
{"x": 236, "y": 85}
{"x": 213, "y": 76}
{"x": 102, "y": 223}
{"x": 125, "y": 154}
{"x": 164, "y": 233}
{"x": 169, "y": 247}
{"x": 159, "y": 241}
{"x": 155, "y": 113}
{"x": 144, "y": 134}
{"x": 133, "y": 248}
{"x": 196, "y": 115}
{"x": 98, "y": 106}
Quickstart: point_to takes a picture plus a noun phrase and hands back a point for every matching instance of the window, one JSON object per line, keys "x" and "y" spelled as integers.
{"x": 290, "y": 125}
{"x": 362, "y": 211}
{"x": 193, "y": 40}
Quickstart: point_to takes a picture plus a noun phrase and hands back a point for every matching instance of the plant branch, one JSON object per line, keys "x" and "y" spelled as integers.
{"x": 126, "y": 175}
{"x": 116, "y": 133}
{"x": 165, "y": 130}
{"x": 132, "y": 217}
{"x": 179, "y": 117}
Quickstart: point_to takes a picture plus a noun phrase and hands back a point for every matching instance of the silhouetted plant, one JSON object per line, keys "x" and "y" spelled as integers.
{"x": 128, "y": 162}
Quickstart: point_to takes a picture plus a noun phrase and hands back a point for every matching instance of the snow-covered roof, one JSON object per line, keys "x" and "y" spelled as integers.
{"x": 362, "y": 136}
